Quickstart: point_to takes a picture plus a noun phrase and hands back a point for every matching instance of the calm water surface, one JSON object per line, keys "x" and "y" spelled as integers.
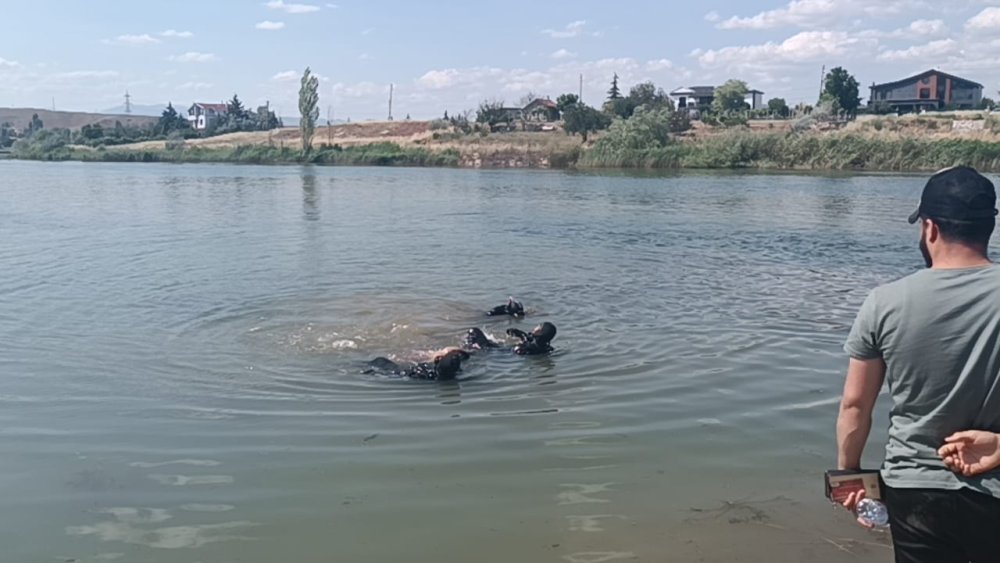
{"x": 181, "y": 347}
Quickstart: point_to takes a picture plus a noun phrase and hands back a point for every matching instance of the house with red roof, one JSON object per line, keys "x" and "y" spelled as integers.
{"x": 202, "y": 115}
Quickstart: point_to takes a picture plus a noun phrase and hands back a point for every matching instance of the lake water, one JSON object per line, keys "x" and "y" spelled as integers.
{"x": 181, "y": 351}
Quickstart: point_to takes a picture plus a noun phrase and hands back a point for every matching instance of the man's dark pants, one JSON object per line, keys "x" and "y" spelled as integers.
{"x": 937, "y": 526}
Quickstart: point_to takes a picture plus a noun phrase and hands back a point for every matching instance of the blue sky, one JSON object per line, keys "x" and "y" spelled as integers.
{"x": 448, "y": 55}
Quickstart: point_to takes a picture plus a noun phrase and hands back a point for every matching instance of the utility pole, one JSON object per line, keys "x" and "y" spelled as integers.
{"x": 329, "y": 126}
{"x": 391, "y": 86}
{"x": 822, "y": 81}
{"x": 128, "y": 103}
{"x": 581, "y": 88}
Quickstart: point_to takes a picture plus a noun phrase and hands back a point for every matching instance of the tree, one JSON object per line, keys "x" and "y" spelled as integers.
{"x": 778, "y": 106}
{"x": 169, "y": 121}
{"x": 235, "y": 109}
{"x": 491, "y": 112}
{"x": 615, "y": 92}
{"x": 987, "y": 103}
{"x": 647, "y": 129}
{"x": 527, "y": 98}
{"x": 839, "y": 85}
{"x": 565, "y": 101}
{"x": 35, "y": 125}
{"x": 731, "y": 96}
{"x": 6, "y": 135}
{"x": 308, "y": 109}
{"x": 583, "y": 119}
{"x": 648, "y": 95}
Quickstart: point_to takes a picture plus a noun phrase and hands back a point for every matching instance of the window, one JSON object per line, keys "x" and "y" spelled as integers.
{"x": 925, "y": 80}
{"x": 925, "y": 93}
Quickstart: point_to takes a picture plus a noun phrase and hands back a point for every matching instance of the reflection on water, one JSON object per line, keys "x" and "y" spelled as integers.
{"x": 310, "y": 197}
{"x": 183, "y": 347}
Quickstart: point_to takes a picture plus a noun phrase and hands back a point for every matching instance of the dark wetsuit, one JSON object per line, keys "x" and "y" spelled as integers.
{"x": 531, "y": 343}
{"x": 444, "y": 368}
{"x": 534, "y": 343}
{"x": 512, "y": 308}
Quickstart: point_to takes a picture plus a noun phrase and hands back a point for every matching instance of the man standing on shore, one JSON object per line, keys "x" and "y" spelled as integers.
{"x": 935, "y": 336}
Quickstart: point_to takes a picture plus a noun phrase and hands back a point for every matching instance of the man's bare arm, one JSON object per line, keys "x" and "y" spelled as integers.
{"x": 861, "y": 389}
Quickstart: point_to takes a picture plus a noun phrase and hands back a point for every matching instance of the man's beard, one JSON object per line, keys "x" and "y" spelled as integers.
{"x": 927, "y": 253}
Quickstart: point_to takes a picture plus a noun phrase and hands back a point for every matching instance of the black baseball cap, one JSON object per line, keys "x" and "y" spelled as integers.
{"x": 957, "y": 194}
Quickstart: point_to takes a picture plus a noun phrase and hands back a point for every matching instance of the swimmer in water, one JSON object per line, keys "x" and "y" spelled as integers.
{"x": 445, "y": 366}
{"x": 512, "y": 308}
{"x": 537, "y": 342}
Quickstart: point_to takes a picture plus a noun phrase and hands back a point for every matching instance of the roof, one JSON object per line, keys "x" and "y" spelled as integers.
{"x": 755, "y": 92}
{"x": 699, "y": 91}
{"x": 542, "y": 102}
{"x": 218, "y": 108}
{"x": 921, "y": 75}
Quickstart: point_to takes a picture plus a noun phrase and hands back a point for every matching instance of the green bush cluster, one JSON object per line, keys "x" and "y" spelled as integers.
{"x": 742, "y": 149}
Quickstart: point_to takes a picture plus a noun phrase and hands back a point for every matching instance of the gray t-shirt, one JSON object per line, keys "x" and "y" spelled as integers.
{"x": 939, "y": 334}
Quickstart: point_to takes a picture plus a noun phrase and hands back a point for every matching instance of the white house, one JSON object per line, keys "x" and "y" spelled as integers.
{"x": 693, "y": 97}
{"x": 202, "y": 115}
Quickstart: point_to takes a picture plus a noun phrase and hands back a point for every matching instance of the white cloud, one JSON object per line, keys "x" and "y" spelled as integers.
{"x": 573, "y": 29}
{"x": 358, "y": 90}
{"x": 987, "y": 20}
{"x": 364, "y": 57}
{"x": 193, "y": 57}
{"x": 660, "y": 64}
{"x": 332, "y": 6}
{"x": 4, "y": 63}
{"x": 928, "y": 27}
{"x": 816, "y": 13}
{"x": 85, "y": 74}
{"x": 286, "y": 76}
{"x": 712, "y": 16}
{"x": 801, "y": 47}
{"x": 941, "y": 48}
{"x": 270, "y": 25}
{"x": 563, "y": 54}
{"x": 130, "y": 39}
{"x": 916, "y": 29}
{"x": 438, "y": 79}
{"x": 368, "y": 31}
{"x": 175, "y": 33}
{"x": 292, "y": 8}
{"x": 194, "y": 86}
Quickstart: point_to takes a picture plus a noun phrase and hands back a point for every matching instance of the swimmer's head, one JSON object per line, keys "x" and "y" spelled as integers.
{"x": 449, "y": 364}
{"x": 544, "y": 333}
{"x": 514, "y": 308}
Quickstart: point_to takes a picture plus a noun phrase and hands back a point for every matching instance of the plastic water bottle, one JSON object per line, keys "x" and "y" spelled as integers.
{"x": 873, "y": 512}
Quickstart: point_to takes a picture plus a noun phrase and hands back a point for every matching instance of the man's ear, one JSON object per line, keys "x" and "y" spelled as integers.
{"x": 933, "y": 231}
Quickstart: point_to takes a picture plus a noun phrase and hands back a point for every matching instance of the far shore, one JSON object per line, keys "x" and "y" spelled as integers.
{"x": 905, "y": 144}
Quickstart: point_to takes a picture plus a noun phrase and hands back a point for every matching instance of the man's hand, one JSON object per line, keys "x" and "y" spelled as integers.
{"x": 851, "y": 504}
{"x": 972, "y": 452}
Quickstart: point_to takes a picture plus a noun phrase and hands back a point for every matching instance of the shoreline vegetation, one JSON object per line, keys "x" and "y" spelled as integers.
{"x": 890, "y": 144}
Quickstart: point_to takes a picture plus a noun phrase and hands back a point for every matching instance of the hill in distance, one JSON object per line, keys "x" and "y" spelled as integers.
{"x": 21, "y": 117}
{"x": 152, "y": 110}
